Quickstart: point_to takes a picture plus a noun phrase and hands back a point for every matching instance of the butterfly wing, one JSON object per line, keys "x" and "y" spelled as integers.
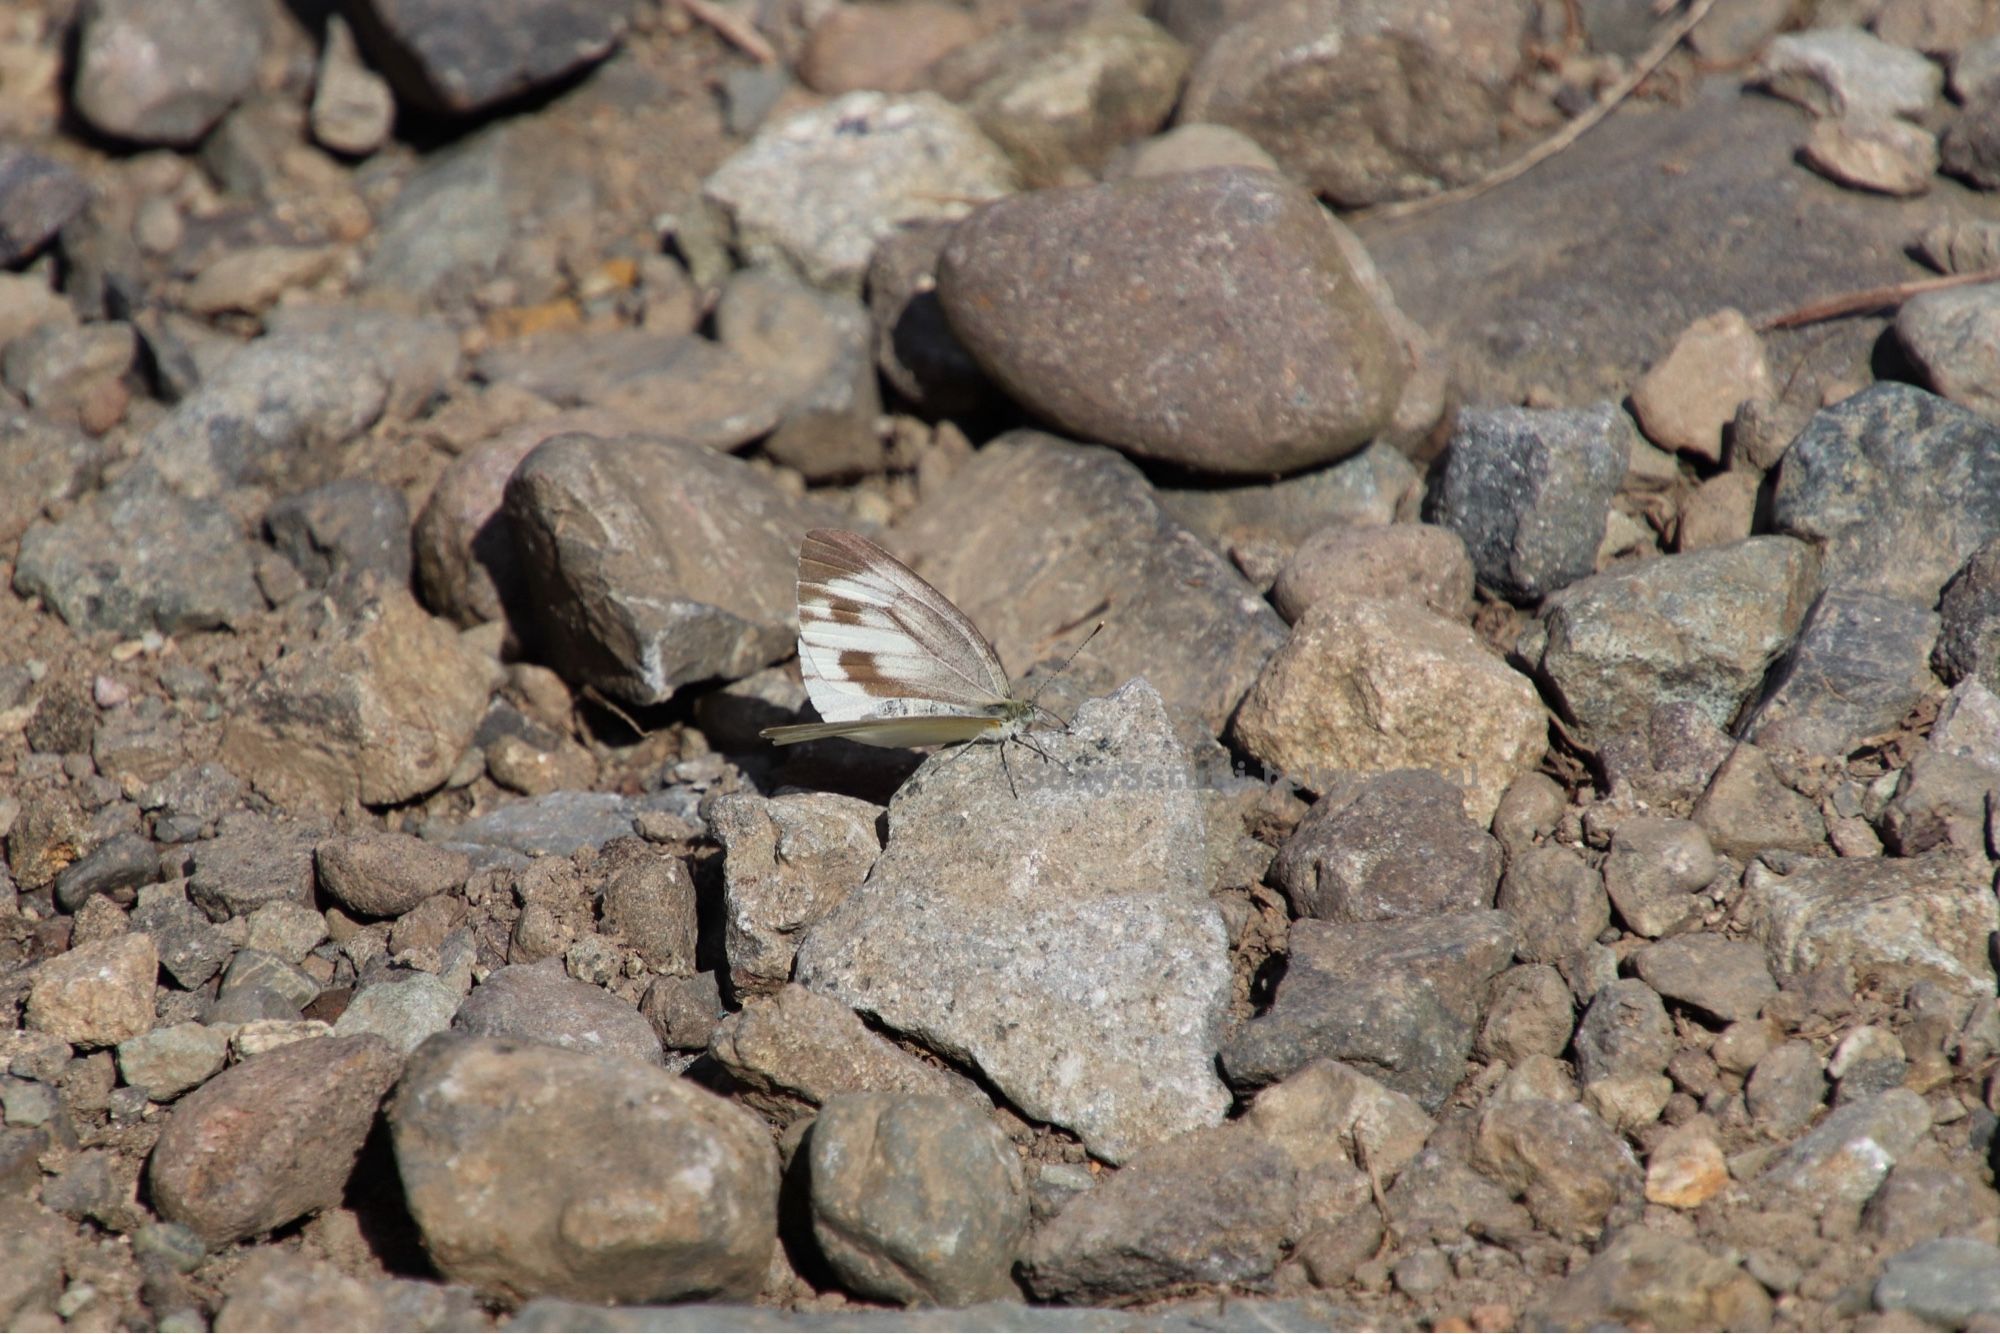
{"x": 876, "y": 641}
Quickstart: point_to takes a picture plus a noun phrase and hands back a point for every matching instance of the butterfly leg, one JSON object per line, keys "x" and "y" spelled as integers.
{"x": 1008, "y": 769}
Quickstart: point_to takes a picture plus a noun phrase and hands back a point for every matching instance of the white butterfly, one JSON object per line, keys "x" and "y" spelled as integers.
{"x": 887, "y": 659}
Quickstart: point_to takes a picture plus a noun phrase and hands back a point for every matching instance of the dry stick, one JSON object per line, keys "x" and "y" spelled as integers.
{"x": 1873, "y": 298}
{"x": 1564, "y": 137}
{"x": 733, "y": 29}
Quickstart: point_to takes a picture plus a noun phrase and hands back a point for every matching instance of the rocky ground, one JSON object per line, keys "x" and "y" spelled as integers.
{"x": 1523, "y": 853}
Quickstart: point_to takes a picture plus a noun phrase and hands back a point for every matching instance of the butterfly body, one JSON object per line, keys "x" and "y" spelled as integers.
{"x": 887, "y": 659}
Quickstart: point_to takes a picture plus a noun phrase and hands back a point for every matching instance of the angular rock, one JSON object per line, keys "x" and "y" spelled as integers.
{"x": 632, "y": 599}
{"x": 1372, "y": 685}
{"x": 801, "y": 1046}
{"x": 1942, "y": 801}
{"x": 1531, "y": 1014}
{"x": 1388, "y": 846}
{"x": 1747, "y": 810}
{"x": 1399, "y": 1001}
{"x": 1062, "y": 941}
{"x": 1528, "y": 489}
{"x": 537, "y": 1003}
{"x": 161, "y": 72}
{"x": 1700, "y": 628}
{"x": 401, "y": 1011}
{"x": 1893, "y": 486}
{"x": 647, "y": 899}
{"x": 1909, "y": 919}
{"x": 1573, "y": 1172}
{"x": 445, "y": 59}
{"x": 271, "y": 1140}
{"x": 1861, "y": 662}
{"x": 1062, "y": 98}
{"x": 376, "y": 711}
{"x": 1417, "y": 561}
{"x": 1844, "y": 1158}
{"x": 626, "y": 1184}
{"x": 819, "y": 190}
{"x": 1048, "y": 291}
{"x": 1725, "y": 979}
{"x": 38, "y": 196}
{"x": 46, "y": 462}
{"x": 96, "y": 995}
{"x": 1969, "y": 611}
{"x": 1686, "y": 1169}
{"x": 1953, "y": 337}
{"x": 168, "y": 1061}
{"x": 1654, "y": 870}
{"x": 138, "y": 556}
{"x": 1174, "y": 612}
{"x": 251, "y": 862}
{"x": 788, "y": 861}
{"x": 915, "y": 1200}
{"x": 1316, "y": 105}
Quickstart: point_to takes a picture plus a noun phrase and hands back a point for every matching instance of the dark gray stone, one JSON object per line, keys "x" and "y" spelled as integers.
{"x": 1969, "y": 613}
{"x": 124, "y": 861}
{"x": 1941, "y": 802}
{"x": 1897, "y": 488}
{"x": 1400, "y": 1001}
{"x": 37, "y": 196}
{"x": 1385, "y": 846}
{"x": 1860, "y": 663}
{"x": 1952, "y": 1280}
{"x": 538, "y": 1003}
{"x": 345, "y": 529}
{"x": 444, "y": 58}
{"x": 137, "y": 557}
{"x": 1529, "y": 490}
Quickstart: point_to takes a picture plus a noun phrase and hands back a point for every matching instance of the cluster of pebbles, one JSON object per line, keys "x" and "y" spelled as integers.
{"x": 1521, "y": 852}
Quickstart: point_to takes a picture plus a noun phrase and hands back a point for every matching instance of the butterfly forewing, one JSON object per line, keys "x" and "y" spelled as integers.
{"x": 886, "y": 658}
{"x": 872, "y": 630}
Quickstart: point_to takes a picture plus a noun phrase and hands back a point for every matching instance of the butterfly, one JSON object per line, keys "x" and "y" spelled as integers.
{"x": 887, "y": 660}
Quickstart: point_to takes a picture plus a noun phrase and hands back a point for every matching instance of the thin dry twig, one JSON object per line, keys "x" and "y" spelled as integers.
{"x": 1873, "y": 298}
{"x": 1567, "y": 135}
{"x": 734, "y": 29}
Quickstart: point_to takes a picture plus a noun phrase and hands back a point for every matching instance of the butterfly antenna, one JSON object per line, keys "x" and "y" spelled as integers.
{"x": 1057, "y": 674}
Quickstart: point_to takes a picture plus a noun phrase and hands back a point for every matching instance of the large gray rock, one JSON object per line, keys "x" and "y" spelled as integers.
{"x": 1059, "y": 296}
{"x": 1061, "y": 940}
{"x": 623, "y": 1183}
{"x": 1701, "y": 628}
{"x": 632, "y": 598}
{"x": 1104, "y": 546}
{"x": 1529, "y": 490}
{"x": 1896, "y": 486}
